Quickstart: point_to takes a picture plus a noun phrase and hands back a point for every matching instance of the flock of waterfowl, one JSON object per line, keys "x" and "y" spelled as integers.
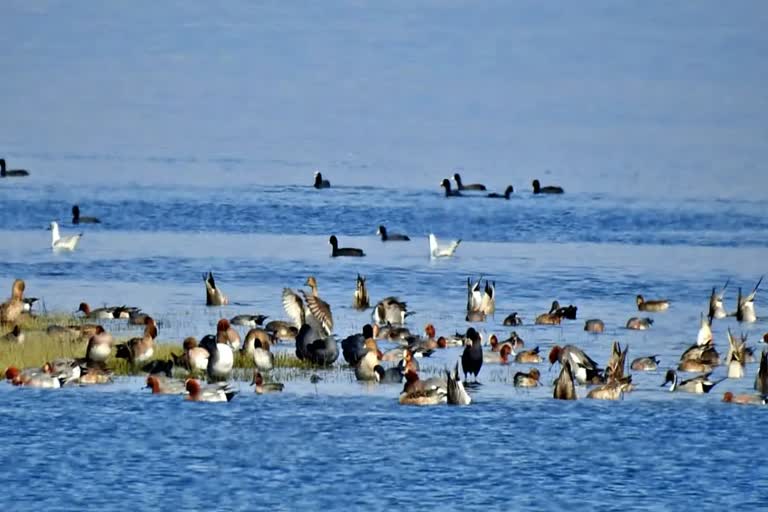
{"x": 384, "y": 351}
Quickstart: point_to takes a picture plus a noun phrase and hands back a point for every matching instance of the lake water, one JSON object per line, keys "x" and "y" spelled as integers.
{"x": 192, "y": 130}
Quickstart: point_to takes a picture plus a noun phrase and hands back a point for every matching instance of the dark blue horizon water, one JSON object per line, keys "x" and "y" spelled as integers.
{"x": 193, "y": 129}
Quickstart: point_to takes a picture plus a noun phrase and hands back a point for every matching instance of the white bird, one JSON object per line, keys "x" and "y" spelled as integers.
{"x": 441, "y": 251}
{"x": 66, "y": 243}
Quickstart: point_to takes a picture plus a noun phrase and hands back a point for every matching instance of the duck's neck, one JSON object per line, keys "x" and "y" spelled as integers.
{"x": 55, "y": 233}
{"x": 313, "y": 286}
{"x": 2, "y": 166}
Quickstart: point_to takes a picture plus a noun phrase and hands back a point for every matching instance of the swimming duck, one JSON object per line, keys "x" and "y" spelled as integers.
{"x": 13, "y": 308}
{"x": 33, "y": 377}
{"x": 512, "y": 320}
{"x": 472, "y": 357}
{"x": 507, "y": 192}
{"x": 221, "y": 357}
{"x": 139, "y": 350}
{"x": 99, "y": 346}
{"x": 729, "y": 397}
{"x": 317, "y": 348}
{"x": 391, "y": 332}
{"x": 313, "y": 310}
{"x": 653, "y": 306}
{"x": 225, "y": 333}
{"x": 262, "y": 387}
{"x": 446, "y": 184}
{"x": 427, "y": 343}
{"x": 63, "y": 243}
{"x": 213, "y": 296}
{"x": 416, "y": 392}
{"x": 515, "y": 342}
{"x": 16, "y": 335}
{"x": 248, "y": 320}
{"x": 745, "y": 311}
{"x": 704, "y": 354}
{"x": 538, "y": 189}
{"x": 528, "y": 356}
{"x": 11, "y": 173}
{"x": 614, "y": 370}
{"x": 612, "y": 391}
{"x": 527, "y": 380}
{"x": 441, "y": 251}
{"x": 81, "y": 219}
{"x": 645, "y": 364}
{"x": 390, "y": 310}
{"x": 716, "y": 307}
{"x": 344, "y": 251}
{"x": 564, "y": 388}
{"x": 320, "y": 182}
{"x": 737, "y": 355}
{"x": 282, "y": 330}
{"x": 761, "y": 379}
{"x": 567, "y": 312}
{"x": 594, "y": 325}
{"x": 160, "y": 386}
{"x": 583, "y": 367}
{"x": 699, "y": 385}
{"x": 391, "y": 237}
{"x": 548, "y": 319}
{"x": 457, "y": 395}
{"x": 639, "y": 324}
{"x": 471, "y": 186}
{"x": 94, "y": 376}
{"x": 361, "y": 300}
{"x": 500, "y": 357}
{"x": 210, "y": 393}
{"x": 692, "y": 366}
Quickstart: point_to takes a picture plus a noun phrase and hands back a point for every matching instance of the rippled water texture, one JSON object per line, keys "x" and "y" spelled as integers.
{"x": 192, "y": 130}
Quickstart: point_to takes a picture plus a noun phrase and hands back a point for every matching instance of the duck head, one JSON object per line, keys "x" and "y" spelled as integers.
{"x": 429, "y": 330}
{"x": 554, "y": 354}
{"x": 17, "y": 290}
{"x": 153, "y": 383}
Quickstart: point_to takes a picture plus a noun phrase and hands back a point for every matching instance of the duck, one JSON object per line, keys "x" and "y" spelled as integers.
{"x": 551, "y": 189}
{"x": 691, "y": 366}
{"x": 699, "y": 385}
{"x": 512, "y": 320}
{"x": 745, "y": 311}
{"x": 33, "y": 377}
{"x": 475, "y": 316}
{"x": 213, "y": 295}
{"x": 95, "y": 376}
{"x": 594, "y": 325}
{"x": 258, "y": 349}
{"x": 353, "y": 347}
{"x": 262, "y": 387}
{"x": 16, "y": 335}
{"x": 737, "y": 356}
{"x": 81, "y": 219}
{"x": 474, "y": 294}
{"x": 282, "y": 330}
{"x": 427, "y": 343}
{"x": 528, "y": 356}
{"x": 11, "y": 173}
{"x": 611, "y": 391}
{"x": 515, "y": 342}
{"x": 446, "y": 184}
{"x": 704, "y": 335}
{"x": 391, "y": 237}
{"x": 549, "y": 318}
{"x": 221, "y": 357}
{"x": 248, "y": 320}
{"x": 507, "y": 193}
{"x": 472, "y": 357}
{"x": 139, "y": 350}
{"x": 320, "y": 182}
{"x": 391, "y": 332}
{"x": 639, "y": 324}
{"x": 367, "y": 365}
{"x": 488, "y": 303}
{"x": 317, "y": 348}
{"x": 225, "y": 333}
{"x": 729, "y": 397}
{"x": 63, "y": 243}
{"x": 407, "y": 362}
{"x": 653, "y": 306}
{"x": 614, "y": 369}
{"x": 471, "y": 186}
{"x": 583, "y": 367}
{"x": 344, "y": 251}
{"x": 645, "y": 363}
{"x": 312, "y": 310}
{"x": 105, "y": 313}
{"x": 390, "y": 310}
{"x": 195, "y": 358}
{"x": 99, "y": 346}
{"x": 159, "y": 367}
{"x": 761, "y": 379}
{"x": 703, "y": 354}
{"x": 564, "y": 388}
{"x": 210, "y": 393}
{"x": 442, "y": 251}
{"x": 255, "y": 338}
{"x": 416, "y": 392}
{"x": 500, "y": 357}
{"x": 457, "y": 395}
{"x": 716, "y": 307}
{"x": 527, "y": 380}
{"x": 361, "y": 301}
{"x": 160, "y": 386}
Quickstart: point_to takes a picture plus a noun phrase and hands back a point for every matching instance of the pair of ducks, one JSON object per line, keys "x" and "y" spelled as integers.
{"x": 745, "y": 305}
{"x": 460, "y": 187}
{"x": 556, "y": 313}
{"x": 480, "y": 303}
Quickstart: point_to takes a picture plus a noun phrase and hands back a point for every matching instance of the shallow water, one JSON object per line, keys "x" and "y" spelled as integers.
{"x": 192, "y": 132}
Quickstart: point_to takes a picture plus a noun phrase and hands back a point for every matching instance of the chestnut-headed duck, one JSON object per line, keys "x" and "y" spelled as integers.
{"x": 645, "y": 364}
{"x": 612, "y": 391}
{"x": 449, "y": 192}
{"x": 407, "y": 362}
{"x": 160, "y": 386}
{"x": 99, "y": 346}
{"x": 361, "y": 300}
{"x": 424, "y": 344}
{"x": 761, "y": 379}
{"x": 33, "y": 377}
{"x": 320, "y": 182}
{"x": 716, "y": 306}
{"x": 528, "y": 356}
{"x": 445, "y": 250}
{"x": 391, "y": 237}
{"x": 527, "y": 380}
{"x": 472, "y": 186}
{"x": 513, "y": 320}
{"x": 262, "y": 387}
{"x": 472, "y": 357}
{"x": 105, "y": 313}
{"x": 594, "y": 325}
{"x": 16, "y": 335}
{"x": 139, "y": 350}
{"x": 457, "y": 395}
{"x": 213, "y": 295}
{"x": 417, "y": 392}
{"x": 11, "y": 173}
{"x": 312, "y": 310}
{"x": 652, "y": 306}
{"x": 514, "y": 341}
{"x": 195, "y": 358}
{"x": 63, "y": 243}
{"x": 506, "y": 195}
{"x": 248, "y": 320}
{"x": 282, "y": 330}
{"x": 210, "y": 393}
{"x": 337, "y": 251}
{"x": 564, "y": 388}
{"x": 500, "y": 357}
{"x": 13, "y": 308}
{"x": 549, "y": 189}
{"x": 745, "y": 306}
{"x": 583, "y": 367}
{"x": 225, "y": 333}
{"x": 744, "y": 399}
{"x": 82, "y": 219}
{"x": 700, "y": 384}
{"x": 639, "y": 324}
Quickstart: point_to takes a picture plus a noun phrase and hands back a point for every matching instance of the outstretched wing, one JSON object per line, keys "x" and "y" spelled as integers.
{"x": 293, "y": 306}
